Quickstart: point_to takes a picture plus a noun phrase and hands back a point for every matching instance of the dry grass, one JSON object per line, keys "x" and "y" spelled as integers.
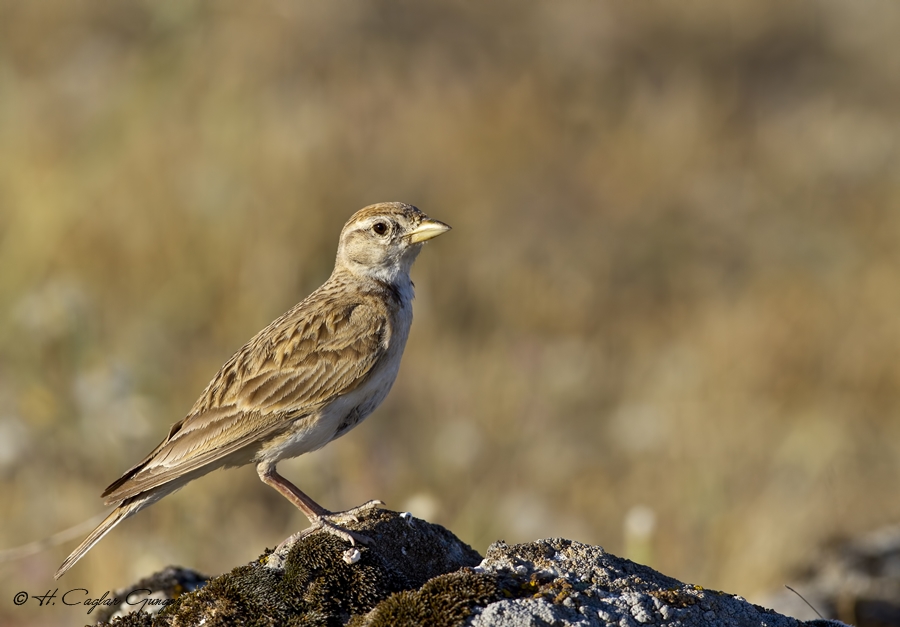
{"x": 672, "y": 280}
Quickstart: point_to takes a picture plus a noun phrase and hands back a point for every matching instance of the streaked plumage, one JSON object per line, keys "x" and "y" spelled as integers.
{"x": 306, "y": 379}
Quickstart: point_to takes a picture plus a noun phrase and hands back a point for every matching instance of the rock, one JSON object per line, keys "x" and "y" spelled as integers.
{"x": 416, "y": 573}
{"x": 579, "y": 584}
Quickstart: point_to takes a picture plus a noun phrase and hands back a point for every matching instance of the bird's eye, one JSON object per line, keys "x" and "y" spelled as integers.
{"x": 380, "y": 228}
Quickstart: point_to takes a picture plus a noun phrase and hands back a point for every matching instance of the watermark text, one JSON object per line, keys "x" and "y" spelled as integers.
{"x": 139, "y": 599}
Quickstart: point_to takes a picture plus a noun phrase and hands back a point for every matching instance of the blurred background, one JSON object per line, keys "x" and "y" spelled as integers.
{"x": 667, "y": 320}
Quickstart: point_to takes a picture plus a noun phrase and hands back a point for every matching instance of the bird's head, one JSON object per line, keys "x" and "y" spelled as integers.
{"x": 381, "y": 241}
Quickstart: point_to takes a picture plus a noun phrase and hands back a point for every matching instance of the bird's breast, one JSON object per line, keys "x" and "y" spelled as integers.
{"x": 337, "y": 417}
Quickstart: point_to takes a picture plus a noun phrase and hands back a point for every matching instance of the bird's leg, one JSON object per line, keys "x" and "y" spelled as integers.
{"x": 319, "y": 517}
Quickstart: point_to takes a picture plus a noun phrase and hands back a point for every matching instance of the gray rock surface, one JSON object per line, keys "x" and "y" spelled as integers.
{"x": 415, "y": 573}
{"x": 583, "y": 585}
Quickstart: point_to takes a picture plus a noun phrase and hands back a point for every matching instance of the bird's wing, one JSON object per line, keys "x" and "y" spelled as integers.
{"x": 288, "y": 371}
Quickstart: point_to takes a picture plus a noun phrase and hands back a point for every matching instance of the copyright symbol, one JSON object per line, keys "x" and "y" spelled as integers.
{"x": 20, "y": 598}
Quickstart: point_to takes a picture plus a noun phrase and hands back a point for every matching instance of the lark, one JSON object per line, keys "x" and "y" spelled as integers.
{"x": 303, "y": 381}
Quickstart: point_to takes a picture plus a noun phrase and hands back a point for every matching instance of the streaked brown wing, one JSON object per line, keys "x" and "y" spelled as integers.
{"x": 289, "y": 370}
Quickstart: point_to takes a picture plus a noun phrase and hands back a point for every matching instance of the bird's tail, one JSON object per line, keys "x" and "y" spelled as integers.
{"x": 123, "y": 511}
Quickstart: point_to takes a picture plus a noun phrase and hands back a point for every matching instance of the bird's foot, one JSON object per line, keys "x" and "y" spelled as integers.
{"x": 327, "y": 524}
{"x": 330, "y": 523}
{"x": 350, "y": 515}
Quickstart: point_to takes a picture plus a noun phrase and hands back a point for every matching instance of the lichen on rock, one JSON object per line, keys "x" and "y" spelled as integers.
{"x": 415, "y": 573}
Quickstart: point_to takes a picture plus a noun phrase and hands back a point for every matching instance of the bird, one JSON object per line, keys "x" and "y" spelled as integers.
{"x": 303, "y": 381}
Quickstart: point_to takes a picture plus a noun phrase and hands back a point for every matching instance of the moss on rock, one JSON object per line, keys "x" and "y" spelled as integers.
{"x": 445, "y": 601}
{"x": 315, "y": 585}
{"x": 414, "y": 573}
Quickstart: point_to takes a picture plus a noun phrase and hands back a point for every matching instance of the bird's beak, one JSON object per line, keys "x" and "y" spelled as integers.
{"x": 426, "y": 230}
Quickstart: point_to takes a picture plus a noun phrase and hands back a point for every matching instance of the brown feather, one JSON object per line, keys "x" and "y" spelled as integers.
{"x": 251, "y": 398}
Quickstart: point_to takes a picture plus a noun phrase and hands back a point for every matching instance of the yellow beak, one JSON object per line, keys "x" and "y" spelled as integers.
{"x": 427, "y": 230}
